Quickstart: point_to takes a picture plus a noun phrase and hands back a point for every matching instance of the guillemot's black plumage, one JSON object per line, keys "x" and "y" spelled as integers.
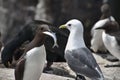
{"x": 27, "y": 34}
{"x": 106, "y": 11}
{"x": 77, "y": 55}
{"x": 31, "y": 64}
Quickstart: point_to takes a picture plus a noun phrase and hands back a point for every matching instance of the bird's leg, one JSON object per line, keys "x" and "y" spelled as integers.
{"x": 80, "y": 77}
{"x": 113, "y": 65}
{"x": 111, "y": 58}
{"x": 48, "y": 66}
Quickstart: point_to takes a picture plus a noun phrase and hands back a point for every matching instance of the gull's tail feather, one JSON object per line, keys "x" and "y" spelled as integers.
{"x": 100, "y": 73}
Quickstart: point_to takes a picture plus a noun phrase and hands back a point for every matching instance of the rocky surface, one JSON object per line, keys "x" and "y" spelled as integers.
{"x": 8, "y": 74}
{"x": 61, "y": 71}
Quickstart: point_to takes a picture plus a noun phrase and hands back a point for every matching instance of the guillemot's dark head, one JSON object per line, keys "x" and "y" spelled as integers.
{"x": 41, "y": 33}
{"x": 110, "y": 26}
{"x": 106, "y": 11}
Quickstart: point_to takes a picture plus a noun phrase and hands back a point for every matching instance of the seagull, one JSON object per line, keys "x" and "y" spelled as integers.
{"x": 77, "y": 55}
{"x": 30, "y": 65}
{"x": 111, "y": 38}
{"x": 96, "y": 41}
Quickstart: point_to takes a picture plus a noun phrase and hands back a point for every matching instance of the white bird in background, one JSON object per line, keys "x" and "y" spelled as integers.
{"x": 96, "y": 41}
{"x": 111, "y": 38}
{"x": 78, "y": 56}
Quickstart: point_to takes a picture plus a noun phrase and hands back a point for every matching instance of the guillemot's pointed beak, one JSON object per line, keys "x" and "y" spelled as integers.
{"x": 53, "y": 35}
{"x": 62, "y": 26}
{"x": 102, "y": 27}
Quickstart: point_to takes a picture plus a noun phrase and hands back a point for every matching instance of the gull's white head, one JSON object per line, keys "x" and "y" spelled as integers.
{"x": 73, "y": 24}
{"x": 75, "y": 39}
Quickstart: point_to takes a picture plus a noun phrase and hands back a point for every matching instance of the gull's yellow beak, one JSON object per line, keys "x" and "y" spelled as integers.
{"x": 62, "y": 26}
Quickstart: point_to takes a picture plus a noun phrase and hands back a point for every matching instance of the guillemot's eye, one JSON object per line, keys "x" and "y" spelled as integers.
{"x": 69, "y": 24}
{"x": 42, "y": 28}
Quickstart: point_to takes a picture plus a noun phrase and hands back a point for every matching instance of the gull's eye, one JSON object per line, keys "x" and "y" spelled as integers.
{"x": 69, "y": 24}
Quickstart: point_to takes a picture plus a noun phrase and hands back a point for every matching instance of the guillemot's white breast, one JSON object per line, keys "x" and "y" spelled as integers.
{"x": 111, "y": 44}
{"x": 35, "y": 60}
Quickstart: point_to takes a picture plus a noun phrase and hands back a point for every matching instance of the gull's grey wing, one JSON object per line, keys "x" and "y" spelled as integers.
{"x": 85, "y": 56}
{"x": 82, "y": 61}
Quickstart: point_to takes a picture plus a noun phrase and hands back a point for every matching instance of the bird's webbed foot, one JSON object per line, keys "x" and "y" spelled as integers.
{"x": 80, "y": 77}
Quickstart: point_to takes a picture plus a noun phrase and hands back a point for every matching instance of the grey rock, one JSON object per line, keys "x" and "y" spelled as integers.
{"x": 61, "y": 71}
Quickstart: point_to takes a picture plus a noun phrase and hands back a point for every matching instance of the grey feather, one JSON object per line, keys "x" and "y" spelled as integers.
{"x": 81, "y": 61}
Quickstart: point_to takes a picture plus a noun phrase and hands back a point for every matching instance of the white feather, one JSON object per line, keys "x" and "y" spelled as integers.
{"x": 75, "y": 37}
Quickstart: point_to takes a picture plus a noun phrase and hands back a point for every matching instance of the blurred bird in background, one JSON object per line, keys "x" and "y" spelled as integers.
{"x": 97, "y": 44}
